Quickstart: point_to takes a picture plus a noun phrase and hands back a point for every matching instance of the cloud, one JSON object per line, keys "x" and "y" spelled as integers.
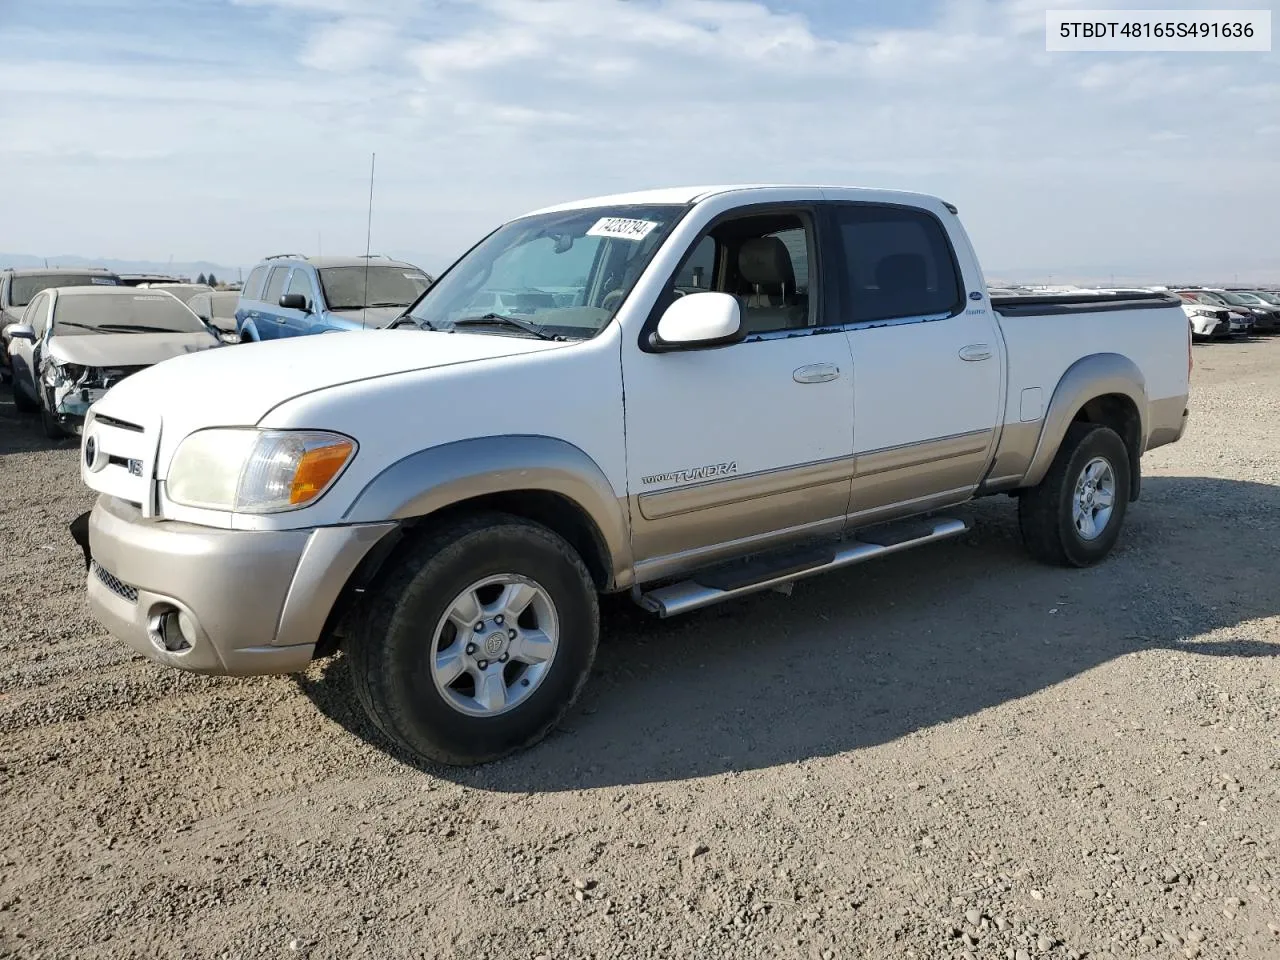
{"x": 481, "y": 109}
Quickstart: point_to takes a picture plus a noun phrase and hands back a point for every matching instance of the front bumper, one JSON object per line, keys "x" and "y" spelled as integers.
{"x": 218, "y": 601}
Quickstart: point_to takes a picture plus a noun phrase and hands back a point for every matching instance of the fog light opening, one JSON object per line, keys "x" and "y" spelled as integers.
{"x": 169, "y": 630}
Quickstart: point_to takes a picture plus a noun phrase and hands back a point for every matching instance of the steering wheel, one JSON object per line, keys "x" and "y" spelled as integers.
{"x": 612, "y": 299}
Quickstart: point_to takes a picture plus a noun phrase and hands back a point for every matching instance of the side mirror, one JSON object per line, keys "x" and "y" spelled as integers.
{"x": 699, "y": 320}
{"x": 293, "y": 301}
{"x": 20, "y": 331}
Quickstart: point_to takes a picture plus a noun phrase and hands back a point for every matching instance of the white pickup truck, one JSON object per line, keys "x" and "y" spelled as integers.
{"x": 693, "y": 394}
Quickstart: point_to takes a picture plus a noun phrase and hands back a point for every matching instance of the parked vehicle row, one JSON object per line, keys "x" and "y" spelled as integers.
{"x": 74, "y": 343}
{"x": 1213, "y": 313}
{"x": 689, "y": 395}
{"x": 289, "y": 295}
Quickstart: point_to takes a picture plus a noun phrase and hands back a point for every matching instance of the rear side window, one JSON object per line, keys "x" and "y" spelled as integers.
{"x": 895, "y": 262}
{"x": 253, "y": 286}
{"x": 275, "y": 286}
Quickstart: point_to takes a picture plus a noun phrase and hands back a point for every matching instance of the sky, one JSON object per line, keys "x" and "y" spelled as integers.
{"x": 225, "y": 130}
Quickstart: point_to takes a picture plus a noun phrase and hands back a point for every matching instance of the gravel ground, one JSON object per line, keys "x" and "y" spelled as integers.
{"x": 952, "y": 754}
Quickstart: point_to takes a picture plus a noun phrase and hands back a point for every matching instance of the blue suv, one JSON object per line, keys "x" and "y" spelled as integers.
{"x": 290, "y": 296}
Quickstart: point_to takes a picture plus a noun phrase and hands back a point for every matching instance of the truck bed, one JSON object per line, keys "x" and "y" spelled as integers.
{"x": 1060, "y": 303}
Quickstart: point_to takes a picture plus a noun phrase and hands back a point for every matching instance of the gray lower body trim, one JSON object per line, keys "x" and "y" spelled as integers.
{"x": 674, "y": 564}
{"x": 1168, "y": 421}
{"x": 720, "y": 493}
{"x": 1013, "y": 456}
{"x": 902, "y": 475}
{"x": 253, "y": 602}
{"x": 681, "y": 529}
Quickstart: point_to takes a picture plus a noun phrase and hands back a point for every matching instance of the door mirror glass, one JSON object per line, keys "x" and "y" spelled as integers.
{"x": 20, "y": 331}
{"x": 293, "y": 301}
{"x": 699, "y": 320}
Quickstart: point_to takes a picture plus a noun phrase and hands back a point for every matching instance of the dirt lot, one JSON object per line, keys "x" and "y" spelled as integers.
{"x": 955, "y": 753}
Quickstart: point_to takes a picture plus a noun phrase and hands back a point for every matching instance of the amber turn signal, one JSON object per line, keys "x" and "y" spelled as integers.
{"x": 316, "y": 468}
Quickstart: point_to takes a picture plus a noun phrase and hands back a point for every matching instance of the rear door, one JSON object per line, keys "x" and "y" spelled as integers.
{"x": 927, "y": 359}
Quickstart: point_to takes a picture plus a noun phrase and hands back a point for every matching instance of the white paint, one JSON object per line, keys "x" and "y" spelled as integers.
{"x": 700, "y": 317}
{"x": 1032, "y": 408}
{"x": 400, "y": 391}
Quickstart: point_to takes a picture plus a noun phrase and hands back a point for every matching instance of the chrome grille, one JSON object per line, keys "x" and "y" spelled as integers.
{"x": 114, "y": 583}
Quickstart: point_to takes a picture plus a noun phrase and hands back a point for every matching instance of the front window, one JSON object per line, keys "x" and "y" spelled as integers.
{"x": 1234, "y": 299}
{"x": 352, "y": 288}
{"x": 24, "y": 288}
{"x": 139, "y": 312}
{"x": 562, "y": 274}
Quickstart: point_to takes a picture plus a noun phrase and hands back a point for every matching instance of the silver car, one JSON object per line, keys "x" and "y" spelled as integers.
{"x": 74, "y": 343}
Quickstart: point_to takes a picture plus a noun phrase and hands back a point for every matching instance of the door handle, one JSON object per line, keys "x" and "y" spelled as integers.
{"x": 815, "y": 373}
{"x": 975, "y": 351}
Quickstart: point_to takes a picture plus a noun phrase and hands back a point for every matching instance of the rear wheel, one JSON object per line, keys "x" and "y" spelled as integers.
{"x": 478, "y": 642}
{"x": 1073, "y": 517}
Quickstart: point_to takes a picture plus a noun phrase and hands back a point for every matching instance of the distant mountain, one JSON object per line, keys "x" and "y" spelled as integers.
{"x": 190, "y": 269}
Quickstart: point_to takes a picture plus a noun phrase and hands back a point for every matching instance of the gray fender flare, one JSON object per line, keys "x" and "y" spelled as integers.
{"x": 438, "y": 477}
{"x": 1096, "y": 375}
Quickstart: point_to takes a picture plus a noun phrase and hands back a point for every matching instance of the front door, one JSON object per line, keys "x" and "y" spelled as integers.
{"x": 294, "y": 323}
{"x": 751, "y": 443}
{"x": 927, "y": 362}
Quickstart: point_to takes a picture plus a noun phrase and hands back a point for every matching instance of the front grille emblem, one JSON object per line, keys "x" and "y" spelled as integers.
{"x": 135, "y": 468}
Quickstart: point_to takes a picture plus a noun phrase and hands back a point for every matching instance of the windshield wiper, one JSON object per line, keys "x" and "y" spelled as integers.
{"x": 72, "y": 323}
{"x": 406, "y": 318}
{"x": 388, "y": 303}
{"x": 497, "y": 319}
{"x": 139, "y": 326}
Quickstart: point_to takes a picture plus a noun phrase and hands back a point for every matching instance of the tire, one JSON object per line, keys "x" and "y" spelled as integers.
{"x": 1046, "y": 512}
{"x": 52, "y": 428}
{"x": 407, "y": 626}
{"x": 21, "y": 402}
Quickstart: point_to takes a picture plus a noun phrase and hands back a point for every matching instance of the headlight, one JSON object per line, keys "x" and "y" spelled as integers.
{"x": 57, "y": 372}
{"x": 256, "y": 471}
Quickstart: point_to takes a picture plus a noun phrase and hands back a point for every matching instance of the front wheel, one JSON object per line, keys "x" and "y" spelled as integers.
{"x": 1072, "y": 518}
{"x": 478, "y": 641}
{"x": 49, "y": 421}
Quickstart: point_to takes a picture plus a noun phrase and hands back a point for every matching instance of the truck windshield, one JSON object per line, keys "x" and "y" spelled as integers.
{"x": 565, "y": 272}
{"x": 24, "y": 288}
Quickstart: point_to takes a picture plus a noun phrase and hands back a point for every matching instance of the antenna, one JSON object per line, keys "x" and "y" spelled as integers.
{"x": 368, "y": 242}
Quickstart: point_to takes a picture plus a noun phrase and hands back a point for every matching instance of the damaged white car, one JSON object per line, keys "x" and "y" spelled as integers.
{"x": 74, "y": 343}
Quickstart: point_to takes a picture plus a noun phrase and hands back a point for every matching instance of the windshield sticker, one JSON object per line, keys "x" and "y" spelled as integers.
{"x": 107, "y": 281}
{"x": 414, "y": 276}
{"x": 621, "y": 228}
{"x": 153, "y": 297}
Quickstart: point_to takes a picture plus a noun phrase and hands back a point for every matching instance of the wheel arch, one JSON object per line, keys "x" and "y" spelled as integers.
{"x": 1103, "y": 388}
{"x": 540, "y": 478}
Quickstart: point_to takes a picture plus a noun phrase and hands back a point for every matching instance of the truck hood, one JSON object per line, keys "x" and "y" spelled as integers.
{"x": 127, "y": 349}
{"x": 238, "y": 385}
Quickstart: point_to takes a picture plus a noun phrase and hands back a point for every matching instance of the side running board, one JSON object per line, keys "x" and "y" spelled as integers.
{"x": 776, "y": 569}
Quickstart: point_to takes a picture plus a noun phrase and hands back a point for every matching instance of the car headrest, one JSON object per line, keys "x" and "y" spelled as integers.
{"x": 766, "y": 261}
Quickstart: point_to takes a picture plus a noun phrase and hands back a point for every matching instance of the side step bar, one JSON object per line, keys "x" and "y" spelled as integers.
{"x": 773, "y": 570}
